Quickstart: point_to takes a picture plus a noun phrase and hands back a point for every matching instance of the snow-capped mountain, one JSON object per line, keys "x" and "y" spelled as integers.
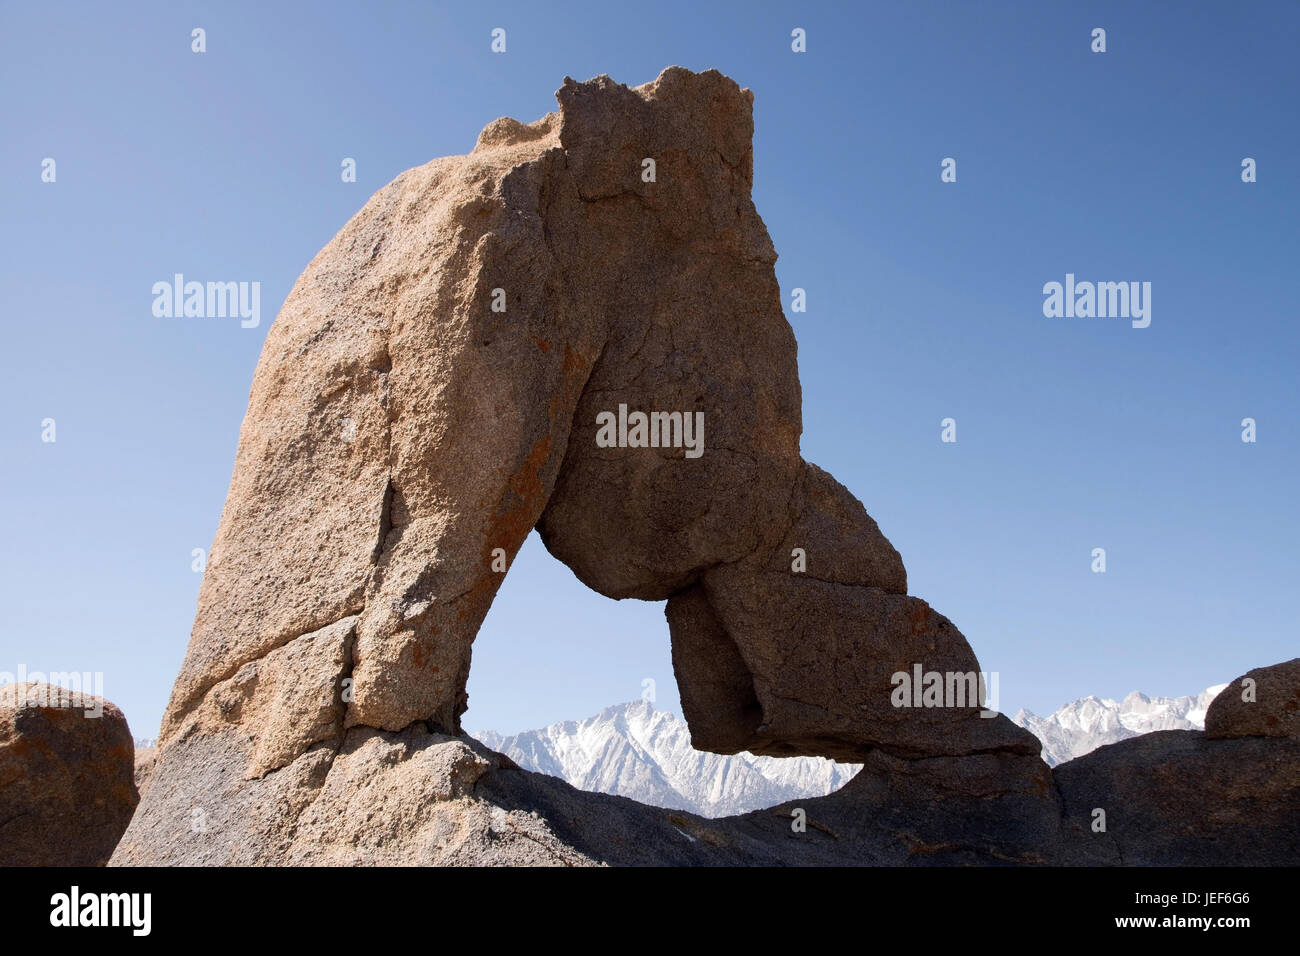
{"x": 637, "y": 751}
{"x": 1085, "y": 725}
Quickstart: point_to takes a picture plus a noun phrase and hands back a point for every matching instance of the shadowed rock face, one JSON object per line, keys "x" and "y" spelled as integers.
{"x": 66, "y": 777}
{"x": 436, "y": 386}
{"x": 1264, "y": 702}
{"x": 1182, "y": 797}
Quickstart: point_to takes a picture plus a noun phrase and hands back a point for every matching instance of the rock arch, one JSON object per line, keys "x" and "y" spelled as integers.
{"x": 431, "y": 392}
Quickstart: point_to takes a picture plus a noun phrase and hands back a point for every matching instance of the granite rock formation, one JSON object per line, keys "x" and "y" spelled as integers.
{"x": 1264, "y": 702}
{"x": 576, "y": 328}
{"x": 418, "y": 797}
{"x": 433, "y": 390}
{"x": 66, "y": 777}
{"x": 1180, "y": 797}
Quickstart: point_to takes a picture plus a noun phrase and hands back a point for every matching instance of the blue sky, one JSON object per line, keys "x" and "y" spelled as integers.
{"x": 924, "y": 302}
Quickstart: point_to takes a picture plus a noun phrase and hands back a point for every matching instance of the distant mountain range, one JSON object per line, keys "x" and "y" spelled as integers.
{"x": 636, "y": 751}
{"x": 1085, "y": 725}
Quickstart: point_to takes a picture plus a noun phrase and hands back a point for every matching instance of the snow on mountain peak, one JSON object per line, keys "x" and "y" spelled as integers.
{"x": 635, "y": 750}
{"x": 1091, "y": 722}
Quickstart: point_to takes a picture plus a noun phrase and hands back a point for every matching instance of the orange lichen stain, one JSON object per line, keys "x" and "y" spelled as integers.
{"x": 924, "y": 849}
{"x": 574, "y": 361}
{"x": 919, "y": 614}
{"x": 526, "y": 482}
{"x": 510, "y": 525}
{"x": 574, "y": 370}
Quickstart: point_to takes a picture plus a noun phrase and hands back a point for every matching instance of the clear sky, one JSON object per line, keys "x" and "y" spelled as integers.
{"x": 925, "y": 301}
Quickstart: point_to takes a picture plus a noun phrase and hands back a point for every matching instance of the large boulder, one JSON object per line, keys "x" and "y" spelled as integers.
{"x": 444, "y": 377}
{"x": 576, "y": 328}
{"x": 1179, "y": 797}
{"x": 67, "y": 787}
{"x": 1264, "y": 702}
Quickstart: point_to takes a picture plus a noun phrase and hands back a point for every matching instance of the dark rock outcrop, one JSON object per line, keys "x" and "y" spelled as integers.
{"x": 1178, "y": 797}
{"x": 1264, "y": 702}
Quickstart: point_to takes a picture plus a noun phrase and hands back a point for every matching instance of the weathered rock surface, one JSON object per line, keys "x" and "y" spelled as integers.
{"x": 382, "y": 798}
{"x": 433, "y": 389}
{"x": 285, "y": 702}
{"x": 418, "y": 797}
{"x": 66, "y": 777}
{"x": 782, "y": 663}
{"x": 1264, "y": 702}
{"x": 438, "y": 383}
{"x": 144, "y": 760}
{"x": 1180, "y": 797}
